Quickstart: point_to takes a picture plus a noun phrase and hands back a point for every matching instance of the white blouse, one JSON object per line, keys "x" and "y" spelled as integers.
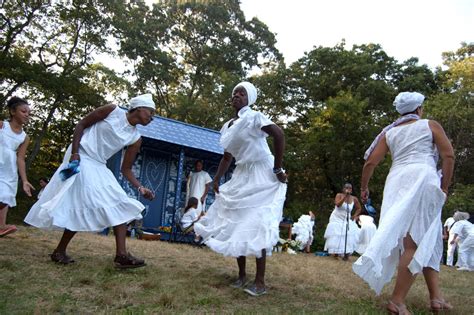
{"x": 245, "y": 139}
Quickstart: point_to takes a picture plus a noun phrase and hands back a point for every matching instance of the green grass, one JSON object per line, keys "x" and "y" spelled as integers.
{"x": 188, "y": 280}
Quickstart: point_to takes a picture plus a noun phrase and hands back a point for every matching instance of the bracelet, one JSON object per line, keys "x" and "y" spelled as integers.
{"x": 277, "y": 171}
{"x": 140, "y": 187}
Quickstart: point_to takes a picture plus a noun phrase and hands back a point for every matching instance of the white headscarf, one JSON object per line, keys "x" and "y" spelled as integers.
{"x": 251, "y": 91}
{"x": 144, "y": 100}
{"x": 406, "y": 102}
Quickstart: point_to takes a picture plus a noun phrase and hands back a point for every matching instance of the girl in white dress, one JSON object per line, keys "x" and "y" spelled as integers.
{"x": 409, "y": 232}
{"x": 13, "y": 145}
{"x": 92, "y": 199}
{"x": 338, "y": 242}
{"x": 244, "y": 219}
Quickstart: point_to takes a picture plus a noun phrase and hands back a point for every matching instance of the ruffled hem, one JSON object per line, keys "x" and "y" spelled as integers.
{"x": 243, "y": 232}
{"x": 88, "y": 201}
{"x": 379, "y": 262}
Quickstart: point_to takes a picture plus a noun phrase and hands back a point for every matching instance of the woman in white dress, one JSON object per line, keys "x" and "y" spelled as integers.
{"x": 304, "y": 231}
{"x": 409, "y": 232}
{"x": 92, "y": 199}
{"x": 13, "y": 145}
{"x": 367, "y": 232}
{"x": 342, "y": 233}
{"x": 463, "y": 234}
{"x": 244, "y": 219}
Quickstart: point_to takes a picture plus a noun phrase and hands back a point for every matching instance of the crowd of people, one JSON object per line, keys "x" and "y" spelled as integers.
{"x": 243, "y": 221}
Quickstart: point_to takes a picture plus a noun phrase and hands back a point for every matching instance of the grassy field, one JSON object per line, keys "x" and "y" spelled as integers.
{"x": 187, "y": 280}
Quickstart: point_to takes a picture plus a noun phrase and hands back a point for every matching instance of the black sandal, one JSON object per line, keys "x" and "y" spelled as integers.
{"x": 128, "y": 261}
{"x": 61, "y": 258}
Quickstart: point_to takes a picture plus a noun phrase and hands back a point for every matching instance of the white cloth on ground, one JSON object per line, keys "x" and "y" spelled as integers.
{"x": 336, "y": 240}
{"x": 465, "y": 231}
{"x": 367, "y": 232}
{"x": 303, "y": 230}
{"x": 9, "y": 144}
{"x": 245, "y": 217}
{"x": 196, "y": 185}
{"x": 411, "y": 205}
{"x": 92, "y": 199}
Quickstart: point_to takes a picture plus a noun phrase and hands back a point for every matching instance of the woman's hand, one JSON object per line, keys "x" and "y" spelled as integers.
{"x": 282, "y": 177}
{"x": 27, "y": 187}
{"x": 75, "y": 157}
{"x": 146, "y": 193}
{"x": 215, "y": 185}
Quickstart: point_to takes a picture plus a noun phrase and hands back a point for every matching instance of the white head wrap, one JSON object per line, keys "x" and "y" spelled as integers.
{"x": 406, "y": 102}
{"x": 144, "y": 100}
{"x": 251, "y": 91}
{"x": 458, "y": 216}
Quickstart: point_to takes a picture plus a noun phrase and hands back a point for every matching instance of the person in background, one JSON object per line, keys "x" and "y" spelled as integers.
{"x": 198, "y": 185}
{"x": 42, "y": 182}
{"x": 448, "y": 235}
{"x": 342, "y": 233}
{"x": 190, "y": 216}
{"x": 13, "y": 144}
{"x": 304, "y": 231}
{"x": 463, "y": 232}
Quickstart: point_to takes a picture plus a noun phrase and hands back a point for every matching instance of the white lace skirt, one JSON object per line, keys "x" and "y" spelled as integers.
{"x": 88, "y": 201}
{"x": 411, "y": 205}
{"x": 245, "y": 217}
{"x": 335, "y": 234}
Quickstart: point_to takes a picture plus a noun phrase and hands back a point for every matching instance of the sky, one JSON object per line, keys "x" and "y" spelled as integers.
{"x": 404, "y": 28}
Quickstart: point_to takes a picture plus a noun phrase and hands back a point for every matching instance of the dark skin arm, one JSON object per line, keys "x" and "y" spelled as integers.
{"x": 278, "y": 147}
{"x": 20, "y": 161}
{"x": 92, "y": 118}
{"x": 381, "y": 149}
{"x": 224, "y": 164}
{"x": 358, "y": 208}
{"x": 126, "y": 169}
{"x": 446, "y": 153}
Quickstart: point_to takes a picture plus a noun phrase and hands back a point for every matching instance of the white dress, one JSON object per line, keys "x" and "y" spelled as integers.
{"x": 465, "y": 231}
{"x": 335, "y": 233}
{"x": 245, "y": 217}
{"x": 189, "y": 217}
{"x": 367, "y": 232}
{"x": 451, "y": 247}
{"x": 303, "y": 230}
{"x": 92, "y": 199}
{"x": 196, "y": 186}
{"x": 412, "y": 202}
{"x": 9, "y": 143}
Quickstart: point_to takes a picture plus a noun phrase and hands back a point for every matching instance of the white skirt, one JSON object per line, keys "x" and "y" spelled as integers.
{"x": 245, "y": 217}
{"x": 335, "y": 234}
{"x": 367, "y": 232}
{"x": 412, "y": 203}
{"x": 88, "y": 201}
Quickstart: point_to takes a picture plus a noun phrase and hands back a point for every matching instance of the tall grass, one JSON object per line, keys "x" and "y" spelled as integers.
{"x": 189, "y": 280}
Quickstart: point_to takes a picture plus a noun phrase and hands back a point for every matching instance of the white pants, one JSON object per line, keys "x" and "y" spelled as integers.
{"x": 451, "y": 250}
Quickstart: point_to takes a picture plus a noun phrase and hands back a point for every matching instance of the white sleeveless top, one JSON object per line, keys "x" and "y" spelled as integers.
{"x": 105, "y": 138}
{"x": 412, "y": 143}
{"x": 9, "y": 143}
